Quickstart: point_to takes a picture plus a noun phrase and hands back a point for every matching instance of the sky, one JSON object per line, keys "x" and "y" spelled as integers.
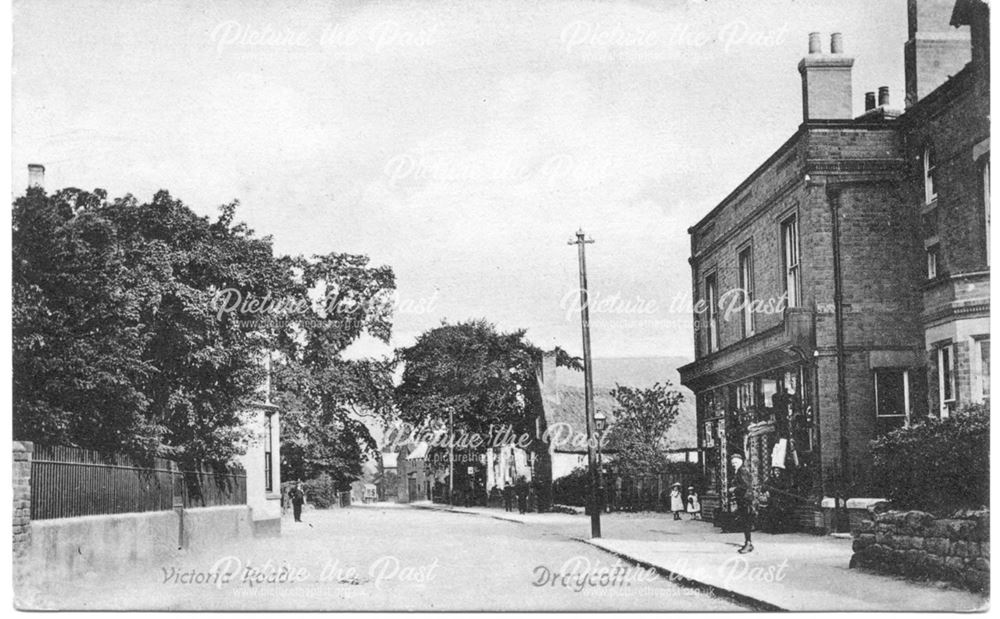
{"x": 461, "y": 143}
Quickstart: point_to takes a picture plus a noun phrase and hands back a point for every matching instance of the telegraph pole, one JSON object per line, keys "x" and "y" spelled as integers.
{"x": 588, "y": 384}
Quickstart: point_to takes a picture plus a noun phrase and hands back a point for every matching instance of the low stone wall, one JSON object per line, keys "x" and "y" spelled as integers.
{"x": 915, "y": 544}
{"x": 64, "y": 548}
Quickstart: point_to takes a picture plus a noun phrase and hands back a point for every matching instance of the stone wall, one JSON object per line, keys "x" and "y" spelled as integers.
{"x": 915, "y": 544}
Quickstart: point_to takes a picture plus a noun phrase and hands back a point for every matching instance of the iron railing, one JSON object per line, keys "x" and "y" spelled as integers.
{"x": 69, "y": 481}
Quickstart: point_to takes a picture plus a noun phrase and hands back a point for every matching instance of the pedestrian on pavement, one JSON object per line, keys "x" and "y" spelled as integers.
{"x": 298, "y": 498}
{"x": 522, "y": 495}
{"x": 742, "y": 493}
{"x": 676, "y": 500}
{"x": 508, "y": 497}
{"x": 693, "y": 504}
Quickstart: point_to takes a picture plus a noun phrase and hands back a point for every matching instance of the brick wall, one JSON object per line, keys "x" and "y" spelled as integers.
{"x": 22, "y": 505}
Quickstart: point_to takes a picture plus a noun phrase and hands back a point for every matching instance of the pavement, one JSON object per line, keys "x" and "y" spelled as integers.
{"x": 795, "y": 572}
{"x": 384, "y": 557}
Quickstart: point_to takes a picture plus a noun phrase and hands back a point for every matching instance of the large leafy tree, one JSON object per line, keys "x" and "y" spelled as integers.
{"x": 120, "y": 345}
{"x": 325, "y": 395}
{"x": 116, "y": 346}
{"x": 643, "y": 416}
{"x": 483, "y": 376}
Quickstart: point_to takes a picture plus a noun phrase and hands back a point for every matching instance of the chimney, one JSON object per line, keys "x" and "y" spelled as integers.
{"x": 935, "y": 51}
{"x": 869, "y": 101}
{"x": 36, "y": 175}
{"x": 826, "y": 81}
{"x": 883, "y": 96}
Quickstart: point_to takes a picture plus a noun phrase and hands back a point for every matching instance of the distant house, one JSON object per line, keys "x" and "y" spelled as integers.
{"x": 563, "y": 407}
{"x": 415, "y": 480}
{"x": 562, "y": 391}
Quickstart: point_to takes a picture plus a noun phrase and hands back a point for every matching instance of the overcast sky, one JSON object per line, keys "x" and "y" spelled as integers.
{"x": 461, "y": 143}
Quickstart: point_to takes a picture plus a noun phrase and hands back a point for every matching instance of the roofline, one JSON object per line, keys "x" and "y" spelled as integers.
{"x": 859, "y": 123}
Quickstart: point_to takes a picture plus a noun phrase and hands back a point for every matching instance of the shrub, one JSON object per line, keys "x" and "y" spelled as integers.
{"x": 937, "y": 465}
{"x": 321, "y": 492}
{"x": 573, "y": 489}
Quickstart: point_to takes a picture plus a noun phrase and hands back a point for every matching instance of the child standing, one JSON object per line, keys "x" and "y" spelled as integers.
{"x": 676, "y": 500}
{"x": 693, "y": 505}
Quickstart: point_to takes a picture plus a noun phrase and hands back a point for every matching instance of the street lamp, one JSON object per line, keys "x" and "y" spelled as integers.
{"x": 600, "y": 425}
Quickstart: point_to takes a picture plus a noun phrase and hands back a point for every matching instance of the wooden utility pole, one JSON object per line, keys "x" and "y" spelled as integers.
{"x": 588, "y": 385}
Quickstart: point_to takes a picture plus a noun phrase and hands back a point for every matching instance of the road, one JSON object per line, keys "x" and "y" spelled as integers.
{"x": 389, "y": 557}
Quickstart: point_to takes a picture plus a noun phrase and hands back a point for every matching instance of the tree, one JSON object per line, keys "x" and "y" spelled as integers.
{"x": 642, "y": 418}
{"x": 485, "y": 377}
{"x": 116, "y": 347}
{"x": 141, "y": 328}
{"x": 323, "y": 394}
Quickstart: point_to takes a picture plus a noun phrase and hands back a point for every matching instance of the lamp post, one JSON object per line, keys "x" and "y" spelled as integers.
{"x": 600, "y": 425}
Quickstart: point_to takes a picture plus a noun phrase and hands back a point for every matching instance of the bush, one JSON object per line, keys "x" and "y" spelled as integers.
{"x": 321, "y": 492}
{"x": 936, "y": 466}
{"x": 573, "y": 489}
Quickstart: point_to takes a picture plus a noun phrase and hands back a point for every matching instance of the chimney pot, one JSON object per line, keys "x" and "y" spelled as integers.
{"x": 836, "y": 43}
{"x": 883, "y": 96}
{"x": 815, "y": 46}
{"x": 869, "y": 101}
{"x": 36, "y": 175}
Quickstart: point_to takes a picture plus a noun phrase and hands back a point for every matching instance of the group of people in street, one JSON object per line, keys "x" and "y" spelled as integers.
{"x": 520, "y": 491}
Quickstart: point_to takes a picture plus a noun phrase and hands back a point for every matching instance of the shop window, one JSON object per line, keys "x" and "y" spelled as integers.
{"x": 768, "y": 388}
{"x": 892, "y": 399}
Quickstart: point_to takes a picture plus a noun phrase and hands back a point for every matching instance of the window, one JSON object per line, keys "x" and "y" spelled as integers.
{"x": 930, "y": 170}
{"x": 984, "y": 368}
{"x": 712, "y": 317}
{"x": 933, "y": 253}
{"x": 268, "y": 458}
{"x": 790, "y": 253}
{"x": 892, "y": 399}
{"x": 946, "y": 380}
{"x": 746, "y": 292}
{"x": 745, "y": 395}
{"x": 986, "y": 204}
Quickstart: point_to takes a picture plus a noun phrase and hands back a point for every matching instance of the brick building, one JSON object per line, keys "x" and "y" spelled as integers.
{"x": 843, "y": 287}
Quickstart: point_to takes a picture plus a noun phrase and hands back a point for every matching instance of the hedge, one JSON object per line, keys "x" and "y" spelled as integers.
{"x": 936, "y": 466}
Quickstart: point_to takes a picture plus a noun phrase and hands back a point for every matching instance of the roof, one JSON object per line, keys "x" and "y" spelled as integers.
{"x": 420, "y": 451}
{"x": 567, "y": 406}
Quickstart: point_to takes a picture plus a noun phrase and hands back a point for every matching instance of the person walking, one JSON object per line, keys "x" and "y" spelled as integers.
{"x": 742, "y": 493}
{"x": 508, "y": 497}
{"x": 522, "y": 495}
{"x": 298, "y": 498}
{"x": 676, "y": 500}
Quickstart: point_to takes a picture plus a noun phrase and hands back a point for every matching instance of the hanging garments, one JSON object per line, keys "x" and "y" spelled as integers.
{"x": 778, "y": 454}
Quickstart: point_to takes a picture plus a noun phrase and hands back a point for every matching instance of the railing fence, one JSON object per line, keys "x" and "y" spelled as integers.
{"x": 69, "y": 481}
